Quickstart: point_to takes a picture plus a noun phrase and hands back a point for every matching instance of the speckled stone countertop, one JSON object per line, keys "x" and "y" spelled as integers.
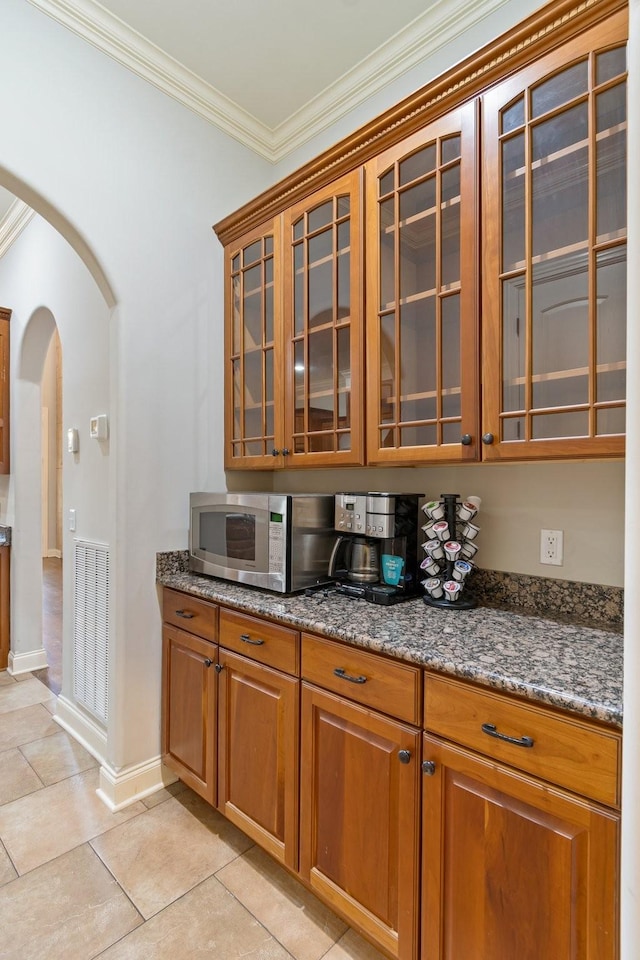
{"x": 574, "y": 667}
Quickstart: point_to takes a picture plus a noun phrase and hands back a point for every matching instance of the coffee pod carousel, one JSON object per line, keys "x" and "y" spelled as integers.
{"x": 449, "y": 548}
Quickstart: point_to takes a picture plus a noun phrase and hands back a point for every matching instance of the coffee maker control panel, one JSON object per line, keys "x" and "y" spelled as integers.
{"x": 351, "y": 513}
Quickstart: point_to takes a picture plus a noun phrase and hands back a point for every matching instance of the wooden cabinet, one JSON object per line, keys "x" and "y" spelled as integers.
{"x": 422, "y": 296}
{"x": 258, "y": 722}
{"x": 294, "y": 343}
{"x": 524, "y": 224}
{"x": 5, "y": 360}
{"x": 359, "y": 807}
{"x": 514, "y": 865}
{"x": 554, "y": 259}
{"x": 189, "y": 721}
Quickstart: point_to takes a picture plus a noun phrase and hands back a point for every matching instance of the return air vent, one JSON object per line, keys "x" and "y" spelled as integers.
{"x": 91, "y": 628}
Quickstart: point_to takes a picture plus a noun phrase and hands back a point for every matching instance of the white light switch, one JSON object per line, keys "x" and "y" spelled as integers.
{"x": 72, "y": 440}
{"x": 99, "y": 427}
{"x": 72, "y": 519}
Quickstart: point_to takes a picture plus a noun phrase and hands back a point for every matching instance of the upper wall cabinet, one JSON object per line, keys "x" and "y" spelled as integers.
{"x": 495, "y": 269}
{"x": 323, "y": 327}
{"x": 422, "y": 299}
{"x": 554, "y": 253}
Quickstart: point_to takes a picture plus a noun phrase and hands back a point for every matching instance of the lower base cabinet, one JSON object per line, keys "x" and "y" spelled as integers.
{"x": 513, "y": 869}
{"x": 258, "y": 753}
{"x": 359, "y": 817}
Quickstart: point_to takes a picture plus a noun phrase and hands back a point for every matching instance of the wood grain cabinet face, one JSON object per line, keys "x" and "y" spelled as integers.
{"x": 258, "y": 753}
{"x": 554, "y": 252}
{"x": 359, "y": 817}
{"x": 189, "y": 709}
{"x": 513, "y": 868}
{"x": 422, "y": 334}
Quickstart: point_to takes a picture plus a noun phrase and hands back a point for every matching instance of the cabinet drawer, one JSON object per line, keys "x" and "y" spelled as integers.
{"x": 261, "y": 640}
{"x": 564, "y": 750}
{"x": 190, "y": 613}
{"x": 386, "y": 685}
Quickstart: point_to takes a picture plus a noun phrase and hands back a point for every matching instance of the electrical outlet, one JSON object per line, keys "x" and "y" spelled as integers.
{"x": 551, "y": 543}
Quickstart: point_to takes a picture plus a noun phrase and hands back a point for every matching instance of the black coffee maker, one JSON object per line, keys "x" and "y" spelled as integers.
{"x": 375, "y": 556}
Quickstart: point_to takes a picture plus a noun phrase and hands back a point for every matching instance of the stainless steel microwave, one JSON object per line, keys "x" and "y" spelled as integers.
{"x": 278, "y": 541}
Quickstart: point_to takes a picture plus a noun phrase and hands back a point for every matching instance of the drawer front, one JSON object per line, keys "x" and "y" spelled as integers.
{"x": 261, "y": 640}
{"x": 564, "y": 750}
{"x": 392, "y": 687}
{"x": 190, "y": 614}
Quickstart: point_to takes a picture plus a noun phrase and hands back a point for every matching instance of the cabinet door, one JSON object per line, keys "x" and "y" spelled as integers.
{"x": 554, "y": 253}
{"x": 359, "y": 799}
{"x": 422, "y": 317}
{"x": 253, "y": 386}
{"x": 189, "y": 709}
{"x": 322, "y": 253}
{"x": 258, "y": 754}
{"x": 513, "y": 868}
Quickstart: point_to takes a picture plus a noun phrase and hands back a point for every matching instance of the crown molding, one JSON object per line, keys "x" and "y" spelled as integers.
{"x": 13, "y": 223}
{"x": 419, "y": 40}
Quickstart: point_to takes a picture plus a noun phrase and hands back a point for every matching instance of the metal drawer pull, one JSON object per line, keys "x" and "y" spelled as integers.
{"x": 340, "y": 672}
{"x": 246, "y": 638}
{"x": 492, "y": 731}
{"x": 185, "y": 614}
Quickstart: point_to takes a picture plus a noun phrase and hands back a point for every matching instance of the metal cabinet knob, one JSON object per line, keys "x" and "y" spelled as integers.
{"x": 285, "y": 452}
{"x": 275, "y": 453}
{"x": 466, "y": 439}
{"x": 428, "y": 767}
{"x": 488, "y": 438}
{"x": 207, "y": 662}
{"x": 404, "y": 756}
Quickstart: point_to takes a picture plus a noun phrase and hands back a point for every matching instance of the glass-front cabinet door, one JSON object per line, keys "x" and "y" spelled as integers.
{"x": 554, "y": 257}
{"x": 253, "y": 332}
{"x": 322, "y": 258}
{"x": 422, "y": 312}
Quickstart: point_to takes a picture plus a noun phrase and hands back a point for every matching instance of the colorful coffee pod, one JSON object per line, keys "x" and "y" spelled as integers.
{"x": 466, "y": 510}
{"x": 434, "y": 509}
{"x": 433, "y": 586}
{"x": 434, "y": 548}
{"x": 429, "y": 565}
{"x": 441, "y": 530}
{"x": 452, "y": 589}
{"x": 461, "y": 569}
{"x": 452, "y": 549}
{"x": 468, "y": 550}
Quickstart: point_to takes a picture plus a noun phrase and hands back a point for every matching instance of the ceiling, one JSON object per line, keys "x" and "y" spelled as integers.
{"x": 271, "y": 73}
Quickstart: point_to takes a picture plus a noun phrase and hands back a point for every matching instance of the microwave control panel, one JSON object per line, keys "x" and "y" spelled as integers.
{"x": 276, "y": 542}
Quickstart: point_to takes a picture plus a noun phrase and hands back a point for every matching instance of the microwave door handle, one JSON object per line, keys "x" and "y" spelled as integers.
{"x": 334, "y": 556}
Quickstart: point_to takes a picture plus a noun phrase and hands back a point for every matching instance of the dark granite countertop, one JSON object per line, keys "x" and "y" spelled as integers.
{"x": 5, "y": 536}
{"x": 574, "y": 667}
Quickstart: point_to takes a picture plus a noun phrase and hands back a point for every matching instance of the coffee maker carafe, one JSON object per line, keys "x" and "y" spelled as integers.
{"x": 376, "y": 554}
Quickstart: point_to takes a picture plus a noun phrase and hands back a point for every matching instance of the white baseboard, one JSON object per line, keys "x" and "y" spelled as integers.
{"x": 82, "y": 728}
{"x": 119, "y": 789}
{"x": 26, "y": 662}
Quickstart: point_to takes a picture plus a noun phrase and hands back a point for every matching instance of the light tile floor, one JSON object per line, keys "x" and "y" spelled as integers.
{"x": 167, "y": 878}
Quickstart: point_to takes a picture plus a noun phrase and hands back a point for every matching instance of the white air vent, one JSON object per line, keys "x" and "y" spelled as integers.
{"x": 91, "y": 628}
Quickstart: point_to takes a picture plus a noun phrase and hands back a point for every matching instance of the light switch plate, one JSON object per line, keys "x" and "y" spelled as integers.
{"x": 99, "y": 427}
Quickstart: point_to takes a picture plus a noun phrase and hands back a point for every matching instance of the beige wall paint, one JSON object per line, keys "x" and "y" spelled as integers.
{"x": 585, "y": 500}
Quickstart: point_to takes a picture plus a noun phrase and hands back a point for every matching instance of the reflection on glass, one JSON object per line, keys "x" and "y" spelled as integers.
{"x": 320, "y": 286}
{"x": 320, "y": 217}
{"x": 560, "y": 332}
{"x": 611, "y": 285}
{"x": 320, "y": 379}
{"x": 387, "y": 182}
{"x": 513, "y": 343}
{"x": 298, "y": 445}
{"x": 344, "y": 235}
{"x": 344, "y": 286}
{"x": 559, "y": 89}
{"x": 610, "y": 422}
{"x": 418, "y": 164}
{"x": 513, "y": 429}
{"x": 344, "y": 206}
{"x": 558, "y": 425}
{"x": 451, "y": 432}
{"x": 450, "y": 184}
{"x": 425, "y": 435}
{"x": 450, "y": 246}
{"x": 451, "y": 148}
{"x": 268, "y": 393}
{"x": 268, "y": 315}
{"x": 512, "y": 116}
{"x": 344, "y": 375}
{"x": 252, "y": 307}
{"x": 235, "y": 263}
{"x": 418, "y": 368}
{"x": 344, "y": 441}
{"x": 298, "y": 229}
{"x": 560, "y": 209}
{"x": 418, "y": 240}
{"x": 610, "y": 64}
{"x": 386, "y": 253}
{"x": 237, "y": 317}
{"x": 298, "y": 288}
{"x": 254, "y": 448}
{"x": 451, "y": 334}
{"x": 513, "y": 202}
{"x": 299, "y": 384}
{"x": 611, "y": 152}
{"x": 237, "y": 398}
{"x": 387, "y": 368}
{"x": 253, "y": 252}
{"x": 268, "y": 245}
